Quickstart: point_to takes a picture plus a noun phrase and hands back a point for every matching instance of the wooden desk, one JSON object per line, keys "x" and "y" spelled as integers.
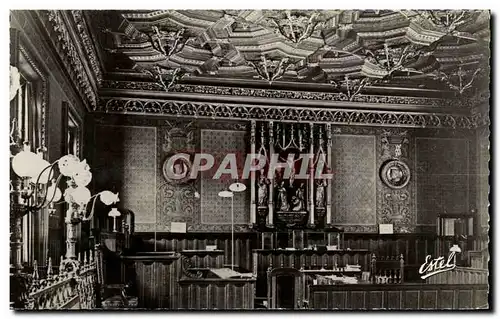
{"x": 308, "y": 259}
{"x": 398, "y": 296}
{"x": 156, "y": 276}
{"x": 205, "y": 258}
{"x": 216, "y": 293}
{"x": 263, "y": 259}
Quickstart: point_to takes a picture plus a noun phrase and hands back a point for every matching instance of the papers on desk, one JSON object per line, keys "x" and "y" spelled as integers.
{"x": 227, "y": 273}
{"x": 353, "y": 267}
{"x": 334, "y": 279}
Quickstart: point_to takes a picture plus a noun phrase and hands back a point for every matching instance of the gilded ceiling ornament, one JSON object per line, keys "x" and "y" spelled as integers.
{"x": 458, "y": 80}
{"x": 295, "y": 26}
{"x": 445, "y": 21}
{"x": 394, "y": 59}
{"x": 351, "y": 87}
{"x": 271, "y": 70}
{"x": 166, "y": 78}
{"x": 168, "y": 42}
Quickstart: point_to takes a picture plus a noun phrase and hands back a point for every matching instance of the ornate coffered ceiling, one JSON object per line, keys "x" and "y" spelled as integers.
{"x": 349, "y": 49}
{"x": 410, "y": 60}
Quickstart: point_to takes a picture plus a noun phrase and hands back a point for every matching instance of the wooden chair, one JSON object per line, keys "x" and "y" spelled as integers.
{"x": 276, "y": 288}
{"x": 387, "y": 269}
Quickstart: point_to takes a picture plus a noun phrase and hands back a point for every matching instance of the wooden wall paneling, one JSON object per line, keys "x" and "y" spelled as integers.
{"x": 401, "y": 296}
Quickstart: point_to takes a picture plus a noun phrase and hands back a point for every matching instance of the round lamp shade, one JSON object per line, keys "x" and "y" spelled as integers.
{"x": 114, "y": 212}
{"x": 237, "y": 187}
{"x": 53, "y": 193}
{"x": 82, "y": 177}
{"x": 81, "y": 195}
{"x": 225, "y": 194}
{"x": 109, "y": 198}
{"x": 39, "y": 166}
{"x": 23, "y": 163}
{"x": 68, "y": 164}
{"x": 456, "y": 249}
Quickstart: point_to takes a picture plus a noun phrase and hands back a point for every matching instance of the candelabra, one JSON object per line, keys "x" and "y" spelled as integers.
{"x": 37, "y": 188}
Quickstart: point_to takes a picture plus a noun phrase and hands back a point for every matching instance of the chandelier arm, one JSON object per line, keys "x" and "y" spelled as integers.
{"x": 51, "y": 166}
{"x": 91, "y": 215}
{"x": 53, "y": 195}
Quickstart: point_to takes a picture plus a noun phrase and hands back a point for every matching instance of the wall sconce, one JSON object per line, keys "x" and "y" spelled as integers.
{"x": 38, "y": 188}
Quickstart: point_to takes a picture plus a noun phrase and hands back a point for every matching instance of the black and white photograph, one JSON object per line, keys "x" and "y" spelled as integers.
{"x": 250, "y": 160}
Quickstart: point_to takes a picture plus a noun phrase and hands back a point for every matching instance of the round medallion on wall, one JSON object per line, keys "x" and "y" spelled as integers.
{"x": 395, "y": 174}
{"x": 176, "y": 169}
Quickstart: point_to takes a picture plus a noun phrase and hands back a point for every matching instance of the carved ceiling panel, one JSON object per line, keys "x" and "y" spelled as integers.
{"x": 349, "y": 49}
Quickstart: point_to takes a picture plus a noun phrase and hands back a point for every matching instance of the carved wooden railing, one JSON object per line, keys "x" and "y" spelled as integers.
{"x": 387, "y": 269}
{"x": 72, "y": 288}
{"x": 460, "y": 275}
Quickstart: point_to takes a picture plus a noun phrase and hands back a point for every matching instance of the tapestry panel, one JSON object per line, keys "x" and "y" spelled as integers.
{"x": 354, "y": 180}
{"x": 214, "y": 209}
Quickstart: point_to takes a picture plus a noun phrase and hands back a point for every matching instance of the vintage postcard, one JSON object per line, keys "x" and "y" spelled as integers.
{"x": 250, "y": 159}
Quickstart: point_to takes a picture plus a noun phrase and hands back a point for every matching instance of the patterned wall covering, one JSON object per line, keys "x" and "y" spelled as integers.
{"x": 216, "y": 210}
{"x": 130, "y": 154}
{"x": 354, "y": 181}
{"x": 126, "y": 162}
{"x": 175, "y": 203}
{"x": 442, "y": 174}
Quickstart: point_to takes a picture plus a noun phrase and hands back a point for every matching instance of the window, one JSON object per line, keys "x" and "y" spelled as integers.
{"x": 27, "y": 118}
{"x": 73, "y": 136}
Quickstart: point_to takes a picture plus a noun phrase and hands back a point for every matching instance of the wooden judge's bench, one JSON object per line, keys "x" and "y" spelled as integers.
{"x": 297, "y": 269}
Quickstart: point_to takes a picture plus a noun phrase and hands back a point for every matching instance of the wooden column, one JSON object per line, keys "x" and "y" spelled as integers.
{"x": 271, "y": 182}
{"x": 253, "y": 206}
{"x": 329, "y": 181}
{"x": 311, "y": 175}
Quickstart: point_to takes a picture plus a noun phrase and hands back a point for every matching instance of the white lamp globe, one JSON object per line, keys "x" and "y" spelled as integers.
{"x": 23, "y": 162}
{"x": 81, "y": 195}
{"x": 68, "y": 164}
{"x": 82, "y": 177}
{"x": 38, "y": 166}
{"x": 53, "y": 193}
{"x": 109, "y": 198}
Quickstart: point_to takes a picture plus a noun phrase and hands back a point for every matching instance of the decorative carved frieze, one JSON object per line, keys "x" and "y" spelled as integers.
{"x": 55, "y": 25}
{"x": 352, "y": 87}
{"x": 88, "y": 46}
{"x": 286, "y": 94}
{"x": 284, "y": 114}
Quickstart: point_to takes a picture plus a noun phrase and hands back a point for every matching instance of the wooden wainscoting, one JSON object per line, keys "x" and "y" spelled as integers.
{"x": 156, "y": 276}
{"x": 403, "y": 296}
{"x": 216, "y": 293}
{"x": 243, "y": 245}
